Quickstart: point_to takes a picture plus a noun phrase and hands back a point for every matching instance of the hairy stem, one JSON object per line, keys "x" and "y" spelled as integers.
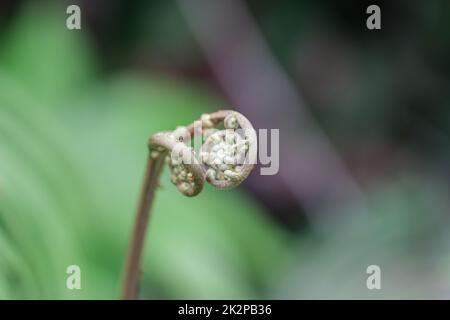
{"x": 152, "y": 173}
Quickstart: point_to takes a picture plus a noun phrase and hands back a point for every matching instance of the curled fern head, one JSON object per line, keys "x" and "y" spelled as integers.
{"x": 226, "y": 157}
{"x": 228, "y": 154}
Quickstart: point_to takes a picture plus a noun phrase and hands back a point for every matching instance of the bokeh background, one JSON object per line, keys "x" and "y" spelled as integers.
{"x": 364, "y": 119}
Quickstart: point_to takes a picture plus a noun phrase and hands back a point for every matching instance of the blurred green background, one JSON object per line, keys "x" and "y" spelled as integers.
{"x": 364, "y": 119}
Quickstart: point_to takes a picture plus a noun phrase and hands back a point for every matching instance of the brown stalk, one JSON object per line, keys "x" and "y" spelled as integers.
{"x": 152, "y": 172}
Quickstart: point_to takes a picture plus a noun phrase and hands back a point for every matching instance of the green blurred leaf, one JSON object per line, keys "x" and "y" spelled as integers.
{"x": 54, "y": 63}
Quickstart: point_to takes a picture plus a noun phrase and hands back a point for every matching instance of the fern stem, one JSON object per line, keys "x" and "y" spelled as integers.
{"x": 152, "y": 173}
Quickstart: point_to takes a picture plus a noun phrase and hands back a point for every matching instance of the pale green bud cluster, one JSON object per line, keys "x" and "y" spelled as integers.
{"x": 224, "y": 155}
{"x": 180, "y": 175}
